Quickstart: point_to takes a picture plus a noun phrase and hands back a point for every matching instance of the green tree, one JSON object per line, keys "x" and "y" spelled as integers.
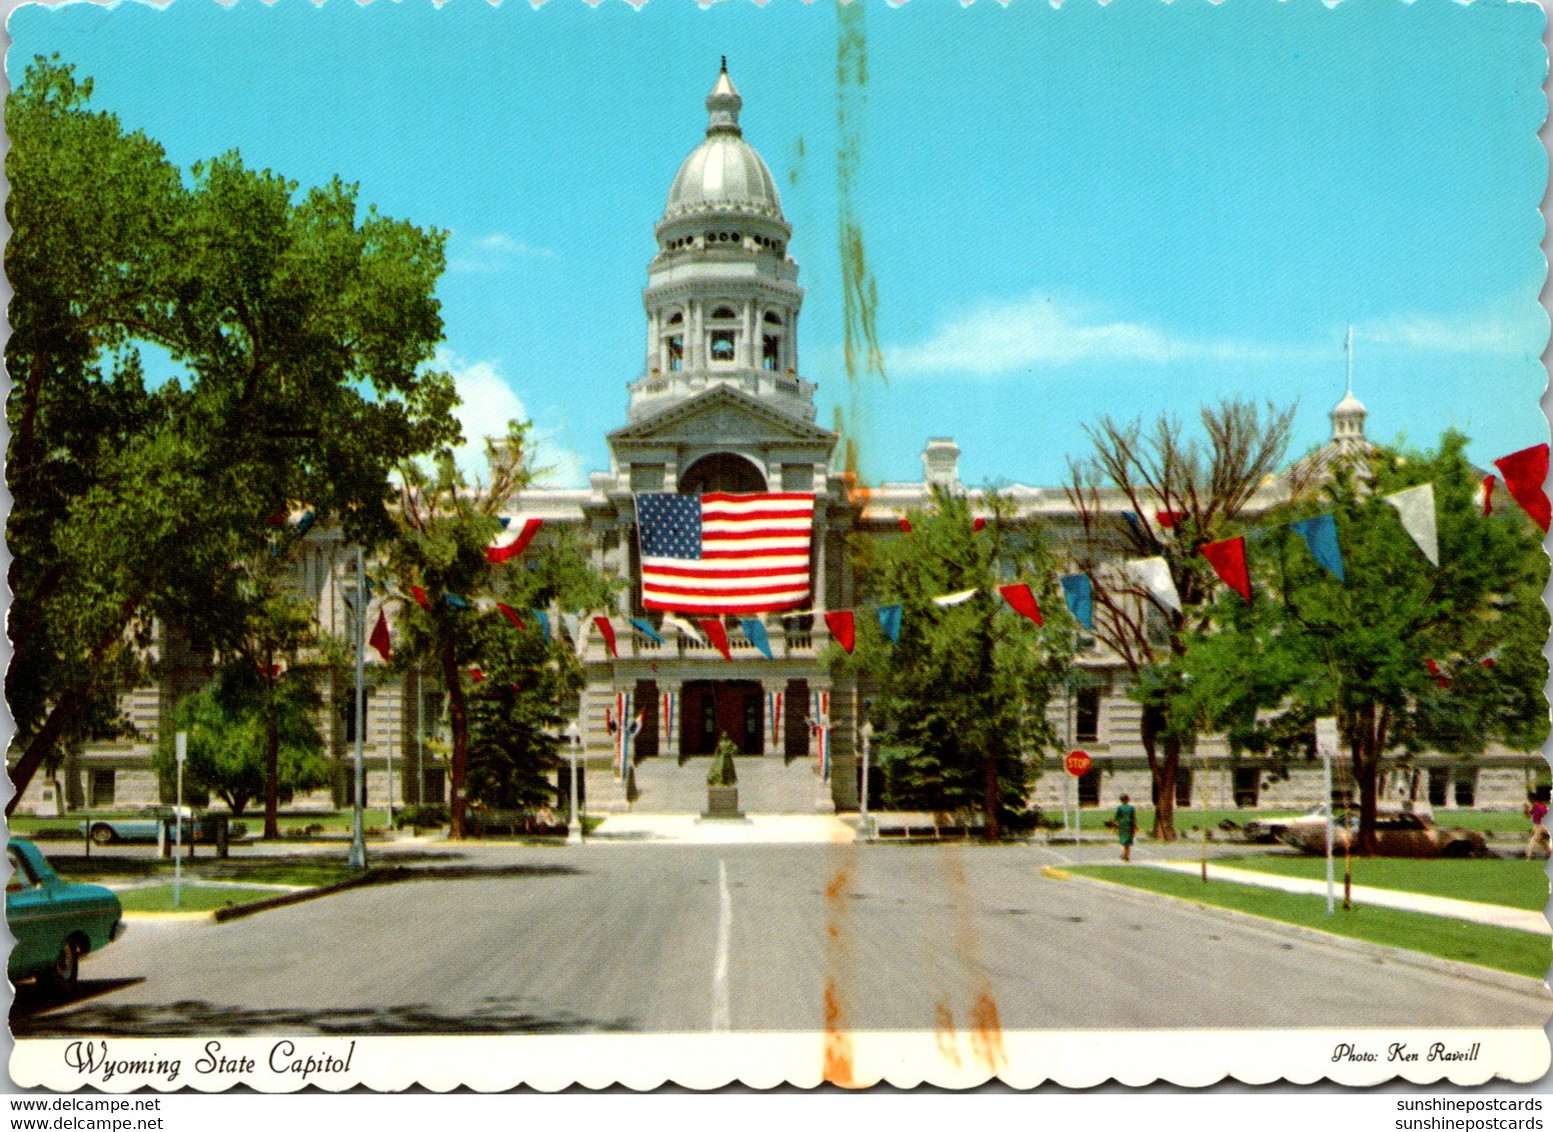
{"x": 302, "y": 329}
{"x": 445, "y": 524}
{"x": 1159, "y": 494}
{"x": 964, "y": 692}
{"x": 1312, "y": 645}
{"x": 230, "y": 721}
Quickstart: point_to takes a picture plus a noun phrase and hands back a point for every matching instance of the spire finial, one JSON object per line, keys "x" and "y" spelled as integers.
{"x": 725, "y": 65}
{"x": 723, "y": 104}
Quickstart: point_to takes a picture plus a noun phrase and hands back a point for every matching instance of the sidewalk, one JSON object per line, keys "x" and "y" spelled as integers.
{"x": 1496, "y": 914}
{"x": 755, "y": 829}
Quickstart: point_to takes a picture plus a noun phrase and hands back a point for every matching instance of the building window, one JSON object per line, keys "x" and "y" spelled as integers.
{"x": 434, "y": 784}
{"x": 1086, "y": 715}
{"x": 722, "y": 345}
{"x": 724, "y": 312}
{"x": 1248, "y": 787}
{"x": 1183, "y": 787}
{"x": 771, "y": 351}
{"x": 101, "y": 788}
{"x": 1439, "y": 785}
{"x": 1089, "y": 787}
{"x": 348, "y": 712}
{"x": 1466, "y": 787}
{"x": 674, "y": 352}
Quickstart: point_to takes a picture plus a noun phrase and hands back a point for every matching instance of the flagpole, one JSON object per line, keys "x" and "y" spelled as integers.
{"x": 358, "y": 849}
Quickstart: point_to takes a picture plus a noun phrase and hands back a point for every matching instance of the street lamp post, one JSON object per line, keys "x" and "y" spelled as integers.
{"x": 866, "y": 733}
{"x": 574, "y": 826}
{"x": 181, "y": 752}
{"x": 358, "y": 850}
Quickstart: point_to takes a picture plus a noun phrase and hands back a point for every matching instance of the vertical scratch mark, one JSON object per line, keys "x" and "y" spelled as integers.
{"x": 986, "y": 1030}
{"x": 838, "y": 1043}
{"x": 987, "y": 1033}
{"x": 837, "y": 1065}
{"x": 943, "y": 1033}
{"x": 721, "y": 1020}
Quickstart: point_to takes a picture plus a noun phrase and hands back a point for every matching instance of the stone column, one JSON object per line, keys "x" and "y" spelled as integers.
{"x": 749, "y": 354}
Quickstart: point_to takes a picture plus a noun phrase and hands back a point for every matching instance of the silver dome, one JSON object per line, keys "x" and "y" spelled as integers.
{"x": 723, "y": 174}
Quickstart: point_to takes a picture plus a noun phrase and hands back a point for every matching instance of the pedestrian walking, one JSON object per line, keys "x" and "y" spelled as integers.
{"x": 1126, "y": 819}
{"x": 1537, "y": 810}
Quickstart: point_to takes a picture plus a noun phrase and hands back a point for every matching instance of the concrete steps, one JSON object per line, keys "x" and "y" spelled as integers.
{"x": 766, "y": 786}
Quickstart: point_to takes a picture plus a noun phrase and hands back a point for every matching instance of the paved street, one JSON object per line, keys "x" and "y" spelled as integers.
{"x": 672, "y": 938}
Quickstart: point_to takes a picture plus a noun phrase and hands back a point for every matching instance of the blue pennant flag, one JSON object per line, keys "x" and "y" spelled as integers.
{"x": 455, "y": 601}
{"x": 644, "y": 627}
{"x": 890, "y": 622}
{"x": 1320, "y": 535}
{"x": 756, "y": 632}
{"x": 544, "y": 622}
{"x": 1078, "y": 592}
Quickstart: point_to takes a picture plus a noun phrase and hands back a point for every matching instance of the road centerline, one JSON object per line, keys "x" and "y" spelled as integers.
{"x": 721, "y": 1020}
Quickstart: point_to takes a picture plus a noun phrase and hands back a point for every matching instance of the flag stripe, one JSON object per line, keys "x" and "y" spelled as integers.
{"x": 725, "y": 553}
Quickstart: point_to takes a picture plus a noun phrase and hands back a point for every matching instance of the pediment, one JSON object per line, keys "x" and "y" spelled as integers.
{"x": 722, "y": 417}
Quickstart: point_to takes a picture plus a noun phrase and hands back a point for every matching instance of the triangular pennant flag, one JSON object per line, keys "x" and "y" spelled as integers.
{"x": 1078, "y": 592}
{"x": 645, "y": 627}
{"x": 717, "y": 634}
{"x": 1438, "y": 673}
{"x": 1228, "y": 559}
{"x": 1415, "y": 507}
{"x": 683, "y": 628}
{"x": 890, "y": 622}
{"x": 905, "y": 525}
{"x": 1524, "y": 474}
{"x": 607, "y": 631}
{"x": 1484, "y": 496}
{"x": 379, "y": 639}
{"x": 510, "y": 614}
{"x": 420, "y": 597}
{"x": 978, "y": 523}
{"x": 843, "y": 628}
{"x": 756, "y": 632}
{"x": 1022, "y": 602}
{"x": 510, "y": 543}
{"x": 1153, "y": 574}
{"x": 959, "y": 598}
{"x": 455, "y": 601}
{"x": 544, "y": 622}
{"x": 1491, "y": 659}
{"x": 304, "y": 522}
{"x": 1170, "y": 520}
{"x": 1320, "y": 535}
{"x": 475, "y": 674}
{"x": 572, "y": 623}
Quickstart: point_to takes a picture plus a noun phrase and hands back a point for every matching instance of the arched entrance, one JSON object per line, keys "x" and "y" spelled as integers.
{"x": 722, "y": 471}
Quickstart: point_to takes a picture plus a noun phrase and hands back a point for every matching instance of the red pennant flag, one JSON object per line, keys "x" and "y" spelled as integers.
{"x": 511, "y": 543}
{"x": 510, "y": 614}
{"x": 843, "y": 627}
{"x": 1488, "y": 494}
{"x": 906, "y": 525}
{"x": 609, "y": 721}
{"x": 379, "y": 639}
{"x": 717, "y": 634}
{"x": 1228, "y": 559}
{"x": 1169, "y": 519}
{"x": 1435, "y": 670}
{"x": 475, "y": 674}
{"x": 608, "y": 632}
{"x": 420, "y": 597}
{"x": 978, "y": 523}
{"x": 1524, "y": 474}
{"x": 1022, "y": 602}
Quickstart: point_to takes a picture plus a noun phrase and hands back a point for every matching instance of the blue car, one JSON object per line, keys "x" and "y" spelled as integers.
{"x": 54, "y": 922}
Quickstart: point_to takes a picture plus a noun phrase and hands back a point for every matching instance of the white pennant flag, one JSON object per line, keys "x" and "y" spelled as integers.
{"x": 954, "y": 599}
{"x": 683, "y": 628}
{"x": 1153, "y": 574}
{"x": 578, "y": 625}
{"x": 1415, "y": 507}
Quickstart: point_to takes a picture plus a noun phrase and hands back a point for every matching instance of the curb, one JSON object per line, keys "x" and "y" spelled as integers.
{"x": 1471, "y": 972}
{"x": 237, "y": 911}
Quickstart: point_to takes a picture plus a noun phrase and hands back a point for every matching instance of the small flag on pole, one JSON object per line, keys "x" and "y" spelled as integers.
{"x": 379, "y": 639}
{"x": 774, "y": 720}
{"x": 819, "y": 730}
{"x": 511, "y": 542}
{"x": 668, "y": 714}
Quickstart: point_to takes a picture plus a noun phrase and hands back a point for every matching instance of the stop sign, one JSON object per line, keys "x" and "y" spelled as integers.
{"x": 1078, "y": 763}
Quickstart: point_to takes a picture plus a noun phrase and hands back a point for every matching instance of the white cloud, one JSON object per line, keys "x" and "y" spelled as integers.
{"x": 490, "y": 253}
{"x": 1523, "y": 332}
{"x": 1037, "y": 330}
{"x": 489, "y": 402}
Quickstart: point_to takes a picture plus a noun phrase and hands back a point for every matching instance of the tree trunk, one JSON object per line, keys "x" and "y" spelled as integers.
{"x": 458, "y": 723}
{"x": 990, "y": 800}
{"x": 42, "y": 742}
{"x": 271, "y": 758}
{"x": 1365, "y": 743}
{"x": 1162, "y": 771}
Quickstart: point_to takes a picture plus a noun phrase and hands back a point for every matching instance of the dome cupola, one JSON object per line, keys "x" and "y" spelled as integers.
{"x": 723, "y": 176}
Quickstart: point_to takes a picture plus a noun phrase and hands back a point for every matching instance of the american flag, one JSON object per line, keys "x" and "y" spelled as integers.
{"x": 723, "y": 553}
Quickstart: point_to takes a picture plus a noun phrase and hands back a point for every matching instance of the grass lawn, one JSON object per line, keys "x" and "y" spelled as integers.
{"x": 1095, "y": 819}
{"x": 1504, "y": 949}
{"x": 1487, "y": 821}
{"x": 191, "y": 899}
{"x": 1512, "y": 883}
{"x": 301, "y": 871}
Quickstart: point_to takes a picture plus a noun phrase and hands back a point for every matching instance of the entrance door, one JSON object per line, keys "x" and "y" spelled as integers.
{"x": 714, "y": 708}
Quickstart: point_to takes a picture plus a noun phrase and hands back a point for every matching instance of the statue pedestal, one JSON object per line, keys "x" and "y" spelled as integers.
{"x": 722, "y": 802}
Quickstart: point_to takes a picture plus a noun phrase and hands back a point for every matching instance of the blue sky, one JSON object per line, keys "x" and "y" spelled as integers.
{"x": 1068, "y": 211}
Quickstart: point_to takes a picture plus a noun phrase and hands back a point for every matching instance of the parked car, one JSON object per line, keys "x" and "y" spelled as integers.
{"x": 1397, "y": 834}
{"x": 1267, "y": 830}
{"x": 54, "y": 922}
{"x": 143, "y": 824}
